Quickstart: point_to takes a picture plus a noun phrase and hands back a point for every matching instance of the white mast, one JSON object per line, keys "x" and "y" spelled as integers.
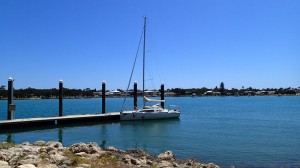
{"x": 144, "y": 55}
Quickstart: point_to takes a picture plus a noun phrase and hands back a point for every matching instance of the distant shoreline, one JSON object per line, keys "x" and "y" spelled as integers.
{"x": 111, "y": 97}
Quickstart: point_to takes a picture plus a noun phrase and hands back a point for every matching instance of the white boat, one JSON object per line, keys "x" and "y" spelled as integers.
{"x": 149, "y": 112}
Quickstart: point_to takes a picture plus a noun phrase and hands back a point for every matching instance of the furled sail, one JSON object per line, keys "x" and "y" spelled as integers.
{"x": 152, "y": 100}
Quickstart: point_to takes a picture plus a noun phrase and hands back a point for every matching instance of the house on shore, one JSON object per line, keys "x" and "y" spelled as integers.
{"x": 212, "y": 93}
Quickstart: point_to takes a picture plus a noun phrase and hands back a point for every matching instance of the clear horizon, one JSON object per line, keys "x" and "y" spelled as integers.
{"x": 190, "y": 44}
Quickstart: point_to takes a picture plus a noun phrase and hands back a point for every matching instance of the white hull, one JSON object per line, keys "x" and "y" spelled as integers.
{"x": 141, "y": 115}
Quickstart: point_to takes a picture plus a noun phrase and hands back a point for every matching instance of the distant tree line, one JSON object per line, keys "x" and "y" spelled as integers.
{"x": 47, "y": 93}
{"x": 221, "y": 90}
{"x": 234, "y": 91}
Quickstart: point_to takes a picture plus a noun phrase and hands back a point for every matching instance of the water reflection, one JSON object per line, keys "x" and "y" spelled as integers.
{"x": 9, "y": 138}
{"x": 147, "y": 134}
{"x": 60, "y": 135}
{"x": 103, "y": 144}
{"x": 53, "y": 132}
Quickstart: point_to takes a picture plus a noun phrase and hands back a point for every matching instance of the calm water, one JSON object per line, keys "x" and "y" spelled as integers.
{"x": 240, "y": 131}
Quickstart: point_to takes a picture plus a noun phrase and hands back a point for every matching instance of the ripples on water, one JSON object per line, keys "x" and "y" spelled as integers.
{"x": 241, "y": 131}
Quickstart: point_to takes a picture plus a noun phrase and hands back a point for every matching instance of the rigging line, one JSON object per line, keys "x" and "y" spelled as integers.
{"x": 137, "y": 52}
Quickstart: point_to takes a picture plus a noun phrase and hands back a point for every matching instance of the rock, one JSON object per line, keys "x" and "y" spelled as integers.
{"x": 26, "y": 166}
{"x": 211, "y": 165}
{"x": 49, "y": 149}
{"x": 53, "y": 155}
{"x": 149, "y": 162}
{"x": 16, "y": 150}
{"x": 64, "y": 166}
{"x": 57, "y": 158}
{"x": 5, "y": 155}
{"x": 111, "y": 148}
{"x": 191, "y": 162}
{"x": 79, "y": 147}
{"x": 135, "y": 161}
{"x": 4, "y": 164}
{"x": 14, "y": 160}
{"x": 87, "y": 148}
{"x": 175, "y": 164}
{"x": 39, "y": 143}
{"x": 137, "y": 152}
{"x": 143, "y": 161}
{"x": 31, "y": 149}
{"x": 31, "y": 159}
{"x": 26, "y": 143}
{"x": 43, "y": 150}
{"x": 47, "y": 166}
{"x": 101, "y": 153}
{"x": 127, "y": 159}
{"x": 85, "y": 165}
{"x": 95, "y": 149}
{"x": 81, "y": 154}
{"x": 56, "y": 145}
{"x": 164, "y": 163}
{"x": 67, "y": 162}
{"x": 168, "y": 155}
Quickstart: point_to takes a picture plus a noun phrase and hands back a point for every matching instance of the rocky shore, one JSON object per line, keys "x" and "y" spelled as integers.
{"x": 52, "y": 154}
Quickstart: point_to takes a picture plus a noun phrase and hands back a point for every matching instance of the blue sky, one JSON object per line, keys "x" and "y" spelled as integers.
{"x": 190, "y": 44}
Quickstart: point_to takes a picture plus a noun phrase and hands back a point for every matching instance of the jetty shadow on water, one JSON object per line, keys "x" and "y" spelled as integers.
{"x": 152, "y": 123}
{"x": 50, "y": 128}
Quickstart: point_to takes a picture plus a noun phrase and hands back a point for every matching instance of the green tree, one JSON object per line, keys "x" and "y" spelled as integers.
{"x": 222, "y": 88}
{"x": 178, "y": 91}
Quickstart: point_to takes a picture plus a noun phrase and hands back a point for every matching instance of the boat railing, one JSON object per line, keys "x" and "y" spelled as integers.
{"x": 125, "y": 109}
{"x": 174, "y": 108}
{"x": 129, "y": 109}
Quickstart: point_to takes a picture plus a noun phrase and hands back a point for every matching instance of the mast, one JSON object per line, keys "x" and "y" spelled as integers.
{"x": 144, "y": 55}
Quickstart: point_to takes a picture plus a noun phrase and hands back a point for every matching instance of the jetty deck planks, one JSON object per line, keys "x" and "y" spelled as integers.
{"x": 113, "y": 116}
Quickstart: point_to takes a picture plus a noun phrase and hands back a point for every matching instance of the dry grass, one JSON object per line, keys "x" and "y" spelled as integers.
{"x": 6, "y": 145}
{"x": 75, "y": 160}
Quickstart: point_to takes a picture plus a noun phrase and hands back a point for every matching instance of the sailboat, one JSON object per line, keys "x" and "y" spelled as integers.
{"x": 149, "y": 112}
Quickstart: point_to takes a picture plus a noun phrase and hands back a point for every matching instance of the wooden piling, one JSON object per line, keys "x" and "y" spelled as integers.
{"x": 162, "y": 94}
{"x": 10, "y": 97}
{"x": 135, "y": 95}
{"x": 103, "y": 97}
{"x": 60, "y": 92}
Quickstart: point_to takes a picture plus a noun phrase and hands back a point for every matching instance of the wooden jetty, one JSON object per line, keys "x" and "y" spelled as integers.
{"x": 53, "y": 121}
{"x": 114, "y": 116}
{"x": 60, "y": 120}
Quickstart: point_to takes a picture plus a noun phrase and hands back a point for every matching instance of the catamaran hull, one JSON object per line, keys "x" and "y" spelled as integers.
{"x": 133, "y": 115}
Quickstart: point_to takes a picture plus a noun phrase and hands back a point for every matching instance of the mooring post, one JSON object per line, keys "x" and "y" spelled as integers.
{"x": 103, "y": 97}
{"x": 162, "y": 95}
{"x": 135, "y": 95}
{"x": 10, "y": 97}
{"x": 60, "y": 92}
